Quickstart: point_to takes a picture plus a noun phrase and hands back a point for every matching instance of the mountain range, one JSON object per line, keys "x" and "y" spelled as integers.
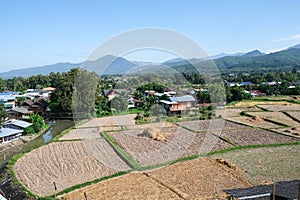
{"x": 239, "y": 62}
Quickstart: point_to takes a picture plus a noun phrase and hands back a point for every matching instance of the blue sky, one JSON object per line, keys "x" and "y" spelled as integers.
{"x": 35, "y": 32}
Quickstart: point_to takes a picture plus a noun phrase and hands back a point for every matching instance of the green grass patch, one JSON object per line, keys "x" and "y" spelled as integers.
{"x": 121, "y": 152}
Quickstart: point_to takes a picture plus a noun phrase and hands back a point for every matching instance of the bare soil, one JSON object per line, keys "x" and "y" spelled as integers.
{"x": 195, "y": 179}
{"x": 66, "y": 164}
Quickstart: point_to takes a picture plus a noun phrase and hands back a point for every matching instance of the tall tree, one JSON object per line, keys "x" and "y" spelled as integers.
{"x": 2, "y": 114}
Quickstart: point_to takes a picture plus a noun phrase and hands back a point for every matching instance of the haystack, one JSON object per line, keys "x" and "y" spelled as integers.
{"x": 153, "y": 133}
{"x": 288, "y": 131}
{"x": 227, "y": 163}
{"x": 297, "y": 134}
{"x": 257, "y": 119}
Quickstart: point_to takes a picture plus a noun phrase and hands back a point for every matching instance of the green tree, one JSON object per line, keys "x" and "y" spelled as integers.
{"x": 237, "y": 93}
{"x": 2, "y": 113}
{"x": 61, "y": 99}
{"x": 37, "y": 124}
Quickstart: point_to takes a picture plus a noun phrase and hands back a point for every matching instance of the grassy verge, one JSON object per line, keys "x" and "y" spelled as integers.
{"x": 121, "y": 152}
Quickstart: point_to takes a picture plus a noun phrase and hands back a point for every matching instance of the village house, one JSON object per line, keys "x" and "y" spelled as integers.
{"x": 38, "y": 105}
{"x": 179, "y": 104}
{"x": 39, "y": 93}
{"x": 110, "y": 94}
{"x": 13, "y": 130}
{"x": 8, "y": 134}
{"x": 8, "y": 99}
{"x": 18, "y": 113}
{"x": 16, "y": 124}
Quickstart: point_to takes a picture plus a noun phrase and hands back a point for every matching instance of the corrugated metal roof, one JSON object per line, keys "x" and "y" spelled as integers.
{"x": 287, "y": 189}
{"x": 5, "y": 98}
{"x": 20, "y": 110}
{"x": 4, "y": 132}
{"x": 21, "y": 123}
{"x": 183, "y": 98}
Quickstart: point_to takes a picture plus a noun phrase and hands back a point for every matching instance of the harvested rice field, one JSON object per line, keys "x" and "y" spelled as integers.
{"x": 180, "y": 143}
{"x": 196, "y": 179}
{"x": 210, "y": 125}
{"x": 66, "y": 164}
{"x": 267, "y": 165}
{"x": 82, "y": 133}
{"x": 256, "y": 136}
{"x": 88, "y": 133}
{"x": 245, "y": 104}
{"x": 295, "y": 114}
{"x": 253, "y": 122}
{"x": 281, "y": 107}
{"x": 110, "y": 121}
{"x": 294, "y": 131}
{"x": 277, "y": 117}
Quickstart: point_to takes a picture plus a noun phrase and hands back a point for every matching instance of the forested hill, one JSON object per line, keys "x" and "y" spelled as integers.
{"x": 284, "y": 60}
{"x": 254, "y": 61}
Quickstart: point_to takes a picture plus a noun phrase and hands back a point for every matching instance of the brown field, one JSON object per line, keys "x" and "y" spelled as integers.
{"x": 256, "y": 136}
{"x": 254, "y": 103}
{"x": 88, "y": 133}
{"x": 235, "y": 112}
{"x": 195, "y": 179}
{"x": 209, "y": 125}
{"x": 281, "y": 107}
{"x": 277, "y": 117}
{"x": 254, "y": 123}
{"x": 295, "y": 114}
{"x": 82, "y": 133}
{"x": 180, "y": 143}
{"x": 288, "y": 131}
{"x": 131, "y": 186}
{"x": 110, "y": 121}
{"x": 147, "y": 151}
{"x": 267, "y": 164}
{"x": 66, "y": 164}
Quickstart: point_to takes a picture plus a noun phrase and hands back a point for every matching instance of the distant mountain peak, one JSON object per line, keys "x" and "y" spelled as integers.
{"x": 254, "y": 53}
{"x": 297, "y": 46}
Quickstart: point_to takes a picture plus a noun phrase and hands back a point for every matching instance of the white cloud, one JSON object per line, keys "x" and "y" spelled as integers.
{"x": 291, "y": 38}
